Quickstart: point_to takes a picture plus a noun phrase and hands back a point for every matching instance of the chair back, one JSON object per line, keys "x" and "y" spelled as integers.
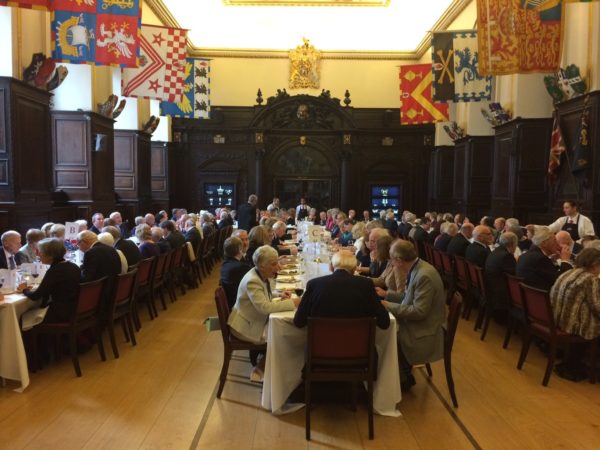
{"x": 536, "y": 303}
{"x": 452, "y": 322}
{"x": 176, "y": 258}
{"x": 447, "y": 263}
{"x": 475, "y": 276}
{"x": 222, "y": 312}
{"x": 341, "y": 341}
{"x": 428, "y": 256}
{"x": 513, "y": 284}
{"x": 124, "y": 288}
{"x": 437, "y": 259}
{"x": 162, "y": 265}
{"x": 90, "y": 298}
{"x": 191, "y": 254}
{"x": 462, "y": 273}
{"x": 145, "y": 266}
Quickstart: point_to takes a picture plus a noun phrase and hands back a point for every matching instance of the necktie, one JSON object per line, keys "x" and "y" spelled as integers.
{"x": 570, "y": 220}
{"x": 12, "y": 265}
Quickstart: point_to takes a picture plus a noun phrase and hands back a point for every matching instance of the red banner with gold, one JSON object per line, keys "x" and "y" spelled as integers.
{"x": 518, "y": 37}
{"x": 29, "y": 4}
{"x": 417, "y": 106}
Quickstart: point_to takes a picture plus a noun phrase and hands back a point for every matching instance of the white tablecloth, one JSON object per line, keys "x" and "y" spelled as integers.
{"x": 285, "y": 358}
{"x": 13, "y": 361}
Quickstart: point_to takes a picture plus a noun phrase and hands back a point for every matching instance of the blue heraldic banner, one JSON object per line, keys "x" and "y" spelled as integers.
{"x": 455, "y": 68}
{"x": 195, "y": 102}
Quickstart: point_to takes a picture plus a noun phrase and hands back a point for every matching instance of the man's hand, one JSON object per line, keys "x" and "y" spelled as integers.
{"x": 381, "y": 292}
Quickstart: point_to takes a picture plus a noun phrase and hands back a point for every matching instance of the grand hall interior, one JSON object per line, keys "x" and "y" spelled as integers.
{"x": 300, "y": 224}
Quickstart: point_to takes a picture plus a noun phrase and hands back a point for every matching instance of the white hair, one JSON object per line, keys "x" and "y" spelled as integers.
{"x": 263, "y": 255}
{"x": 344, "y": 260}
{"x": 541, "y": 234}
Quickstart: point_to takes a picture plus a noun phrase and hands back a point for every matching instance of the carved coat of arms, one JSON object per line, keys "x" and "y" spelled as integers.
{"x": 305, "y": 66}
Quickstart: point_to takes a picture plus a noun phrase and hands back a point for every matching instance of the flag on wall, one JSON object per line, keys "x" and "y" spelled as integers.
{"x": 518, "y": 37}
{"x": 195, "y": 102}
{"x": 557, "y": 148}
{"x": 102, "y": 32}
{"x": 456, "y": 68}
{"x": 417, "y": 106}
{"x": 160, "y": 74}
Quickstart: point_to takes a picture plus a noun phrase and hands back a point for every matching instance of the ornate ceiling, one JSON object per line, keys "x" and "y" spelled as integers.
{"x": 354, "y": 29}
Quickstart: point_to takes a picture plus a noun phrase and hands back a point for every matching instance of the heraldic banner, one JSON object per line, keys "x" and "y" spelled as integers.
{"x": 518, "y": 37}
{"x": 456, "y": 68}
{"x": 417, "y": 107}
{"x": 160, "y": 74}
{"x": 102, "y": 32}
{"x": 195, "y": 102}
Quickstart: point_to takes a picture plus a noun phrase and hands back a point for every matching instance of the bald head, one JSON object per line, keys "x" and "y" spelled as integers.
{"x": 483, "y": 234}
{"x": 467, "y": 230}
{"x": 564, "y": 239}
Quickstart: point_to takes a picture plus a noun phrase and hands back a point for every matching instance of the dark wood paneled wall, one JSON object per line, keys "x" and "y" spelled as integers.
{"x": 353, "y": 148}
{"x": 441, "y": 179}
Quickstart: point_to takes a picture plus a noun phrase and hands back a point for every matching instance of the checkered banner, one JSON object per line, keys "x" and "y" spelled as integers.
{"x": 195, "y": 102}
{"x": 161, "y": 72}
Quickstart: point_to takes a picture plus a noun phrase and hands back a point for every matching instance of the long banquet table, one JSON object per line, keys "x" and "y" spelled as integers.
{"x": 13, "y": 360}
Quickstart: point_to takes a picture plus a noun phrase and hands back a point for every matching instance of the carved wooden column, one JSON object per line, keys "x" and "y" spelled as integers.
{"x": 160, "y": 165}
{"x": 441, "y": 169}
{"x": 24, "y": 155}
{"x": 259, "y": 157}
{"x": 345, "y": 172}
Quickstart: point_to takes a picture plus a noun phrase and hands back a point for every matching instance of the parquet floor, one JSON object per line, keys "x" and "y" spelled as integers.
{"x": 161, "y": 395}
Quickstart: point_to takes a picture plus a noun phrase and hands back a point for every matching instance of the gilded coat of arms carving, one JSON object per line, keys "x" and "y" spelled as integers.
{"x": 305, "y": 66}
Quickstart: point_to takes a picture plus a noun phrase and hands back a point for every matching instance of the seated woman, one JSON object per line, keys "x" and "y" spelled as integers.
{"x": 345, "y": 237}
{"x": 392, "y": 280}
{"x": 233, "y": 268}
{"x": 250, "y": 315}
{"x": 60, "y": 286}
{"x": 575, "y": 299}
{"x": 148, "y": 248}
{"x": 259, "y": 235}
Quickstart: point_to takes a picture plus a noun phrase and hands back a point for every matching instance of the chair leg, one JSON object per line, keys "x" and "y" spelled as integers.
{"x": 73, "y": 351}
{"x": 486, "y": 322}
{"x": 450, "y": 379}
{"x": 307, "y": 401}
{"x": 429, "y": 371}
{"x": 370, "y": 397}
{"x": 124, "y": 328}
{"x": 524, "y": 349}
{"x": 100, "y": 344}
{"x": 480, "y": 314}
{"x": 161, "y": 293}
{"x": 593, "y": 356}
{"x": 224, "y": 369}
{"x": 113, "y": 340}
{"x": 550, "y": 365}
{"x": 354, "y": 394}
{"x": 509, "y": 328}
{"x": 131, "y": 329}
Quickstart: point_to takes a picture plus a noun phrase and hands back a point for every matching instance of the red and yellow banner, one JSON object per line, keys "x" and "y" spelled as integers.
{"x": 518, "y": 37}
{"x": 417, "y": 106}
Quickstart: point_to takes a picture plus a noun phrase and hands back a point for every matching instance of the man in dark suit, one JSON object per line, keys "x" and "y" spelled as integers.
{"x": 478, "y": 251}
{"x": 541, "y": 266}
{"x": 159, "y": 239}
{"x": 10, "y": 256}
{"x": 448, "y": 231}
{"x": 192, "y": 235}
{"x": 123, "y": 229}
{"x": 172, "y": 235}
{"x": 459, "y": 243}
{"x": 97, "y": 223}
{"x": 233, "y": 268}
{"x": 129, "y": 249}
{"x": 246, "y": 214}
{"x": 99, "y": 260}
{"x": 499, "y": 262}
{"x": 341, "y": 295}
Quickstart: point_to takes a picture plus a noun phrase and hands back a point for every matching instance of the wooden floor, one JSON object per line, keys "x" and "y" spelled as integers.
{"x": 161, "y": 395}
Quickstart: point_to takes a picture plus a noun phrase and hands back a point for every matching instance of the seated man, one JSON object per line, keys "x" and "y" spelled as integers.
{"x": 541, "y": 266}
{"x": 233, "y": 268}
{"x": 499, "y": 262}
{"x": 447, "y": 231}
{"x": 459, "y": 243}
{"x": 341, "y": 295}
{"x": 279, "y": 231}
{"x": 564, "y": 240}
{"x": 421, "y": 314}
{"x": 11, "y": 257}
{"x": 478, "y": 251}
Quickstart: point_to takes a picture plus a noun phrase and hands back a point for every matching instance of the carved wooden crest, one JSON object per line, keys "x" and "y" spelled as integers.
{"x": 305, "y": 66}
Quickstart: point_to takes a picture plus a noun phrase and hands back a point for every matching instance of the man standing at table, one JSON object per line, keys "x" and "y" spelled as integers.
{"x": 577, "y": 225}
{"x": 341, "y": 295}
{"x": 420, "y": 313}
{"x": 246, "y": 214}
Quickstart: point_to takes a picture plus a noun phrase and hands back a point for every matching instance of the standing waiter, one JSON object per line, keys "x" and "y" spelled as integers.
{"x": 247, "y": 214}
{"x": 577, "y": 225}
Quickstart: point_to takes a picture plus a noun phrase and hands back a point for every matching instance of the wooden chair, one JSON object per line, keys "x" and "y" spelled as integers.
{"x": 516, "y": 313}
{"x": 192, "y": 265}
{"x": 340, "y": 350}
{"x": 448, "y": 271}
{"x": 120, "y": 308}
{"x": 174, "y": 276}
{"x": 462, "y": 274}
{"x": 449, "y": 334}
{"x": 437, "y": 260}
{"x": 85, "y": 317}
{"x": 143, "y": 290}
{"x": 428, "y": 248}
{"x": 476, "y": 292}
{"x": 160, "y": 277}
{"x": 540, "y": 322}
{"x": 205, "y": 255}
{"x": 230, "y": 342}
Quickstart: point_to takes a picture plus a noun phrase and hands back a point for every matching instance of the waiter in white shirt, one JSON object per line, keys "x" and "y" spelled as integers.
{"x": 302, "y": 209}
{"x": 577, "y": 225}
